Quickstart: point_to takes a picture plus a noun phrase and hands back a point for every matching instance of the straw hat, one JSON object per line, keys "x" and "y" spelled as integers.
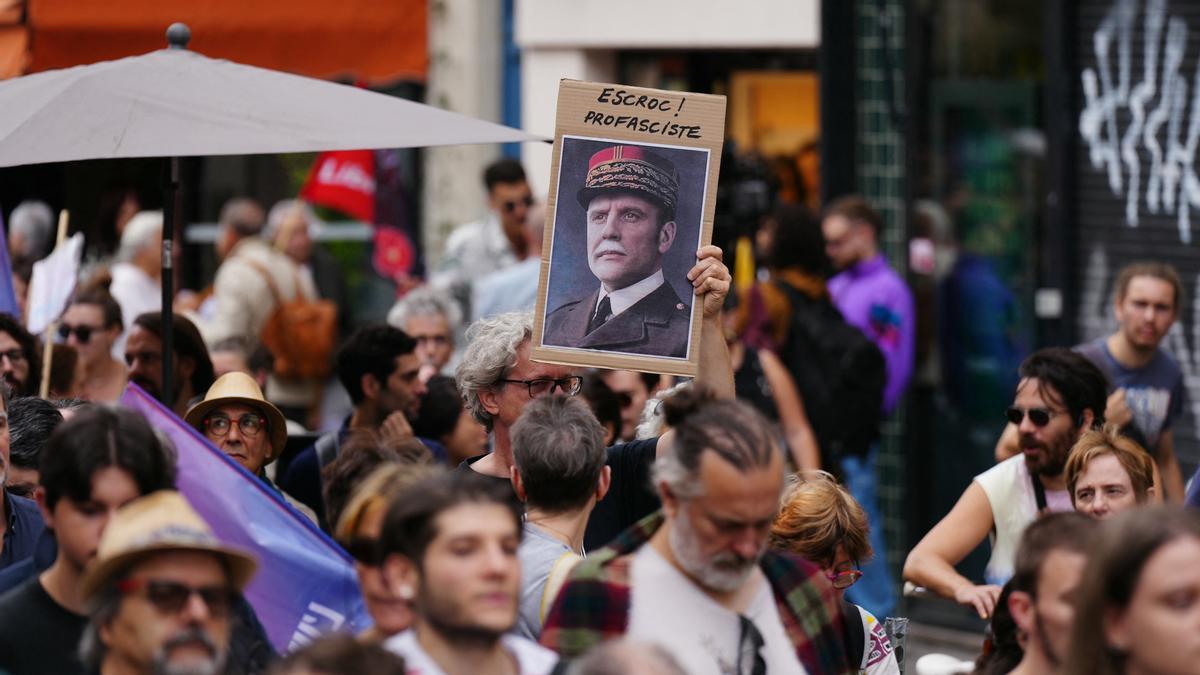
{"x": 241, "y": 388}
{"x": 158, "y": 522}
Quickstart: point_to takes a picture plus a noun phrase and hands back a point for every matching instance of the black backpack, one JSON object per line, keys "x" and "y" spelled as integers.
{"x": 853, "y": 634}
{"x": 840, "y": 374}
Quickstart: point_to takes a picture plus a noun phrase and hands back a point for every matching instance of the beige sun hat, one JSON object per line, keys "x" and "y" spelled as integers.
{"x": 237, "y": 387}
{"x": 158, "y": 522}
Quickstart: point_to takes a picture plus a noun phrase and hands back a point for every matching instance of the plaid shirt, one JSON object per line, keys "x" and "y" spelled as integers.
{"x": 593, "y": 605}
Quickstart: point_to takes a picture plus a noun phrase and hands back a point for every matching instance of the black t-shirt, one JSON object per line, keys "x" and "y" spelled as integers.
{"x": 37, "y": 635}
{"x": 630, "y": 497}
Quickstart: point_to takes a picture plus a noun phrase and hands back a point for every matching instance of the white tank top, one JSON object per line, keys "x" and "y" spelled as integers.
{"x": 1009, "y": 489}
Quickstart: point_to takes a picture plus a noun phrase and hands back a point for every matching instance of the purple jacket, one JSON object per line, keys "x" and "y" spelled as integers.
{"x": 872, "y": 297}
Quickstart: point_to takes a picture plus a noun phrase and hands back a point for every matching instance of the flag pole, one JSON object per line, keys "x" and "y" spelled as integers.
{"x": 48, "y": 337}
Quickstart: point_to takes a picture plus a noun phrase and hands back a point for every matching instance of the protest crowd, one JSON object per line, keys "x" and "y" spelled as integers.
{"x": 474, "y": 510}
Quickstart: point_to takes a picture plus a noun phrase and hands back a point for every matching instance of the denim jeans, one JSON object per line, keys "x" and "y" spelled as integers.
{"x": 875, "y": 591}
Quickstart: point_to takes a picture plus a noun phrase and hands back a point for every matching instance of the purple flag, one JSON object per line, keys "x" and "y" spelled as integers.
{"x": 8, "y": 296}
{"x": 306, "y": 584}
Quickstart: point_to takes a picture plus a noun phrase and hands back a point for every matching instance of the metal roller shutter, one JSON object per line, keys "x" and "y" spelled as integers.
{"x": 1137, "y": 186}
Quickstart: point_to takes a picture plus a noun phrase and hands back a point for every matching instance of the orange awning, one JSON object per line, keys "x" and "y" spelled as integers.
{"x": 378, "y": 42}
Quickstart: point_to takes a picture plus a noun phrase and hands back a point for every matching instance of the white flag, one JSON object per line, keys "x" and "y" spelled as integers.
{"x": 53, "y": 283}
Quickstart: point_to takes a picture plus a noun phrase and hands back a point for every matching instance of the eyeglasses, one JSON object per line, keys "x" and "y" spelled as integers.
{"x": 542, "y": 386}
{"x": 844, "y": 578}
{"x": 171, "y": 597}
{"x": 1039, "y": 416}
{"x": 511, "y": 205}
{"x": 82, "y": 332}
{"x": 249, "y": 424}
{"x": 13, "y": 355}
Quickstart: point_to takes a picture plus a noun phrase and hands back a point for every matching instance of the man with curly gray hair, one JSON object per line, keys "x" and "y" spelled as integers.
{"x": 498, "y": 379}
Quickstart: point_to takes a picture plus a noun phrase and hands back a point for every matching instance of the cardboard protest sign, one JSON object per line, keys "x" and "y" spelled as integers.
{"x": 632, "y": 195}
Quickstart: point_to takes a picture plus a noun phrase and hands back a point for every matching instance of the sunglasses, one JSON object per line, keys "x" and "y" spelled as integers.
{"x": 82, "y": 332}
{"x": 511, "y": 205}
{"x": 171, "y": 597}
{"x": 1039, "y": 416}
{"x": 249, "y": 424}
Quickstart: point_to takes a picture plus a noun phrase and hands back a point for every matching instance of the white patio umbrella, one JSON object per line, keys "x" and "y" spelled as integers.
{"x": 176, "y": 103}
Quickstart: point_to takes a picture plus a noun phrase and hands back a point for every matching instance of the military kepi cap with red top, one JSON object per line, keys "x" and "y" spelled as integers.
{"x": 632, "y": 169}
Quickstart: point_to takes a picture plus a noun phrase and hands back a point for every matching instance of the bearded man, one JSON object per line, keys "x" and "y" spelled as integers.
{"x": 1060, "y": 395}
{"x": 697, "y": 578}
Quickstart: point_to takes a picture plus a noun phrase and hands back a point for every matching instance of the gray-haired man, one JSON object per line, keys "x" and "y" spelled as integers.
{"x": 559, "y": 472}
{"x": 698, "y": 578}
{"x": 432, "y": 318}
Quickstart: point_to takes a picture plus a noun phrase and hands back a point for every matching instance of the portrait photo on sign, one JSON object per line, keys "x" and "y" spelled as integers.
{"x": 627, "y": 224}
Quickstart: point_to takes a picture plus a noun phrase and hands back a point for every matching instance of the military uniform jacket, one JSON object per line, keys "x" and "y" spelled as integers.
{"x": 656, "y": 325}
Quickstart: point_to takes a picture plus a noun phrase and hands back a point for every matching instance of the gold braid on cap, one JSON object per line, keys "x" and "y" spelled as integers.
{"x": 636, "y": 176}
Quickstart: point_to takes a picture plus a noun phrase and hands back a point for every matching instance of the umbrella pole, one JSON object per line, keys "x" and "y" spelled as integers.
{"x": 170, "y": 214}
{"x": 178, "y": 36}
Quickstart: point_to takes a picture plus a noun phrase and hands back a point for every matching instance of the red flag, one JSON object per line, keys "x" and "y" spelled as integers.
{"x": 344, "y": 180}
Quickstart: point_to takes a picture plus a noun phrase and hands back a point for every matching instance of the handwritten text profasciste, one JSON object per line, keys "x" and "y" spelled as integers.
{"x": 629, "y": 116}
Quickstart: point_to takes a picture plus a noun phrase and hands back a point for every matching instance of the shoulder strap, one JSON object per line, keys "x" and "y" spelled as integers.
{"x": 554, "y": 582}
{"x": 855, "y": 636}
{"x": 1039, "y": 493}
{"x": 266, "y": 275}
{"x": 327, "y": 448}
